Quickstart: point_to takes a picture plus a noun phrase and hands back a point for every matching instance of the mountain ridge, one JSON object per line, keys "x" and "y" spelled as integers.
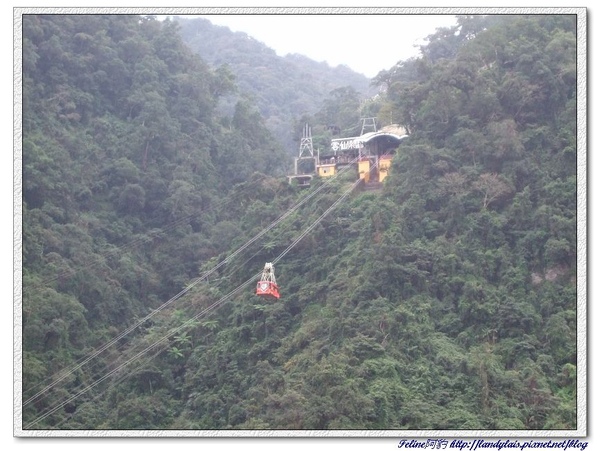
{"x": 447, "y": 300}
{"x": 284, "y": 88}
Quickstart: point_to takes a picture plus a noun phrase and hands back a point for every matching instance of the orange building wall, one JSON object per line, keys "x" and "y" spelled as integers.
{"x": 326, "y": 170}
{"x": 364, "y": 170}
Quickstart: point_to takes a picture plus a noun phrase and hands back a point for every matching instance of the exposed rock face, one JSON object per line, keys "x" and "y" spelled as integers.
{"x": 550, "y": 275}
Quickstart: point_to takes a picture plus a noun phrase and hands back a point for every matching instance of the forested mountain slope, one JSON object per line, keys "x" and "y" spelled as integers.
{"x": 126, "y": 166}
{"x": 447, "y": 300}
{"x": 284, "y": 88}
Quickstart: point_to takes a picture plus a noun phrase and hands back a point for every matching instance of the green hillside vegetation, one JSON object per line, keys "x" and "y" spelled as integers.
{"x": 447, "y": 300}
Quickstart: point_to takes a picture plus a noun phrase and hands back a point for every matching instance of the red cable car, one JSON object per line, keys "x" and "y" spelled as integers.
{"x": 267, "y": 286}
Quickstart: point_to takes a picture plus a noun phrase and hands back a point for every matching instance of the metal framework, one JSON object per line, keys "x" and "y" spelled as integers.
{"x": 268, "y": 274}
{"x": 368, "y": 123}
{"x": 306, "y": 143}
{"x": 305, "y": 153}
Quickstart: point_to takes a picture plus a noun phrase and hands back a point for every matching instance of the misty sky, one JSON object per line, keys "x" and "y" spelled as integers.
{"x": 366, "y": 43}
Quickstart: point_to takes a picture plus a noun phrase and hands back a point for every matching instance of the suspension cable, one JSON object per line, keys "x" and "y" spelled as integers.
{"x": 195, "y": 282}
{"x": 152, "y": 346}
{"x": 204, "y": 312}
{"x": 140, "y": 240}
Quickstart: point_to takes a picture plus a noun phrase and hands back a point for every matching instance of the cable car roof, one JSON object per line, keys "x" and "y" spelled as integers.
{"x": 374, "y": 135}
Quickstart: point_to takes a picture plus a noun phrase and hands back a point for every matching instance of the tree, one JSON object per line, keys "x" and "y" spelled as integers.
{"x": 445, "y": 300}
{"x": 492, "y": 187}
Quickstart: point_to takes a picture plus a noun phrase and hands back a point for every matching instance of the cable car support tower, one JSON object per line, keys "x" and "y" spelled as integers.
{"x": 305, "y": 165}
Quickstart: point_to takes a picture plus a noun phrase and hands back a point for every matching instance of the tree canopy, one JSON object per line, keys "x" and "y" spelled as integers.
{"x": 446, "y": 301}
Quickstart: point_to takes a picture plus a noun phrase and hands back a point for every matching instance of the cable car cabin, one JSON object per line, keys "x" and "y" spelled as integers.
{"x": 267, "y": 285}
{"x": 268, "y": 290}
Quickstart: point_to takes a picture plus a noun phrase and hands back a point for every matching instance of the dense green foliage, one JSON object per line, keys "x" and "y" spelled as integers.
{"x": 445, "y": 301}
{"x": 125, "y": 169}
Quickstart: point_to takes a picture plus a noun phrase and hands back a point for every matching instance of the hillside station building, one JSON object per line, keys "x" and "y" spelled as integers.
{"x": 371, "y": 153}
